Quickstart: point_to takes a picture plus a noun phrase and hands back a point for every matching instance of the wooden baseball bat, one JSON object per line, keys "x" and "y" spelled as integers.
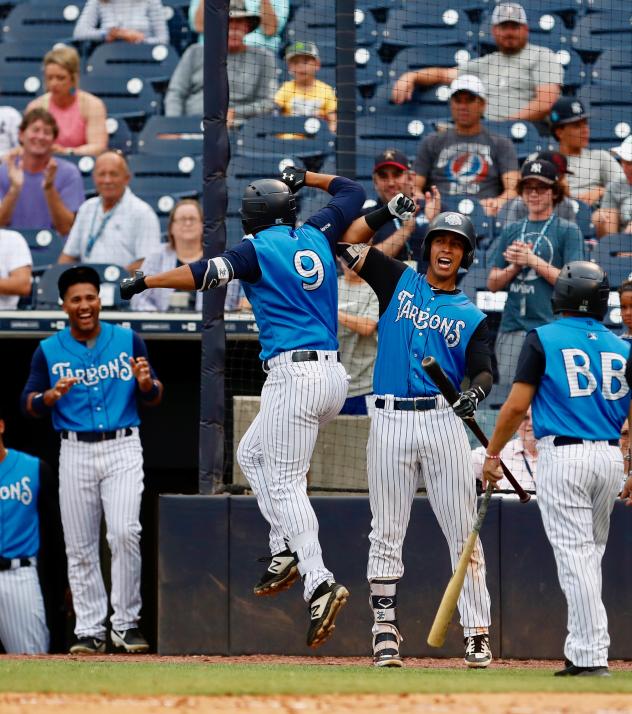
{"x": 447, "y": 606}
{"x": 440, "y": 378}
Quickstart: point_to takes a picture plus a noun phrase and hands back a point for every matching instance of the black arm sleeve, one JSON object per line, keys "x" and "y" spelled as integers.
{"x": 382, "y": 274}
{"x": 531, "y": 361}
{"x": 479, "y": 359}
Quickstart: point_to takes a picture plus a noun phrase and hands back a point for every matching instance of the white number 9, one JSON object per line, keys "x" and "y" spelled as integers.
{"x": 310, "y": 267}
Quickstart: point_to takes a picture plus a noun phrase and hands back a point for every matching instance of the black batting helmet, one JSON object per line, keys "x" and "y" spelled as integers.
{"x": 265, "y": 203}
{"x": 461, "y": 226}
{"x": 581, "y": 287}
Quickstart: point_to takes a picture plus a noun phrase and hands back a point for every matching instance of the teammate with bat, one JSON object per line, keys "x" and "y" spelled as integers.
{"x": 415, "y": 433}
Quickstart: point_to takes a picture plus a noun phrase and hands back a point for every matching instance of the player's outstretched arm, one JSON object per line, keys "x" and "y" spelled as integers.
{"x": 364, "y": 227}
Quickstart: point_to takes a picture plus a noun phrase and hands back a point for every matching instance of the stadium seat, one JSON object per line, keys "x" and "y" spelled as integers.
{"x": 614, "y": 65}
{"x": 370, "y": 71}
{"x": 45, "y": 246}
{"x": 414, "y": 58}
{"x": 583, "y": 217}
{"x": 614, "y": 254}
{"x": 181, "y": 136}
{"x": 151, "y": 63}
{"x": 132, "y": 99}
{"x": 609, "y": 125}
{"x": 166, "y": 174}
{"x": 523, "y": 134}
{"x": 600, "y": 31}
{"x": 374, "y": 134}
{"x": 47, "y": 295}
{"x": 243, "y": 168}
{"x": 470, "y": 207}
{"x": 473, "y": 280}
{"x": 177, "y": 15}
{"x": 85, "y": 164}
{"x": 432, "y": 24}
{"x": 23, "y": 58}
{"x": 18, "y": 90}
{"x": 379, "y": 8}
{"x": 120, "y": 137}
{"x": 310, "y": 138}
{"x": 606, "y": 94}
{"x": 313, "y": 22}
{"x": 41, "y": 20}
{"x": 575, "y": 73}
{"x": 430, "y": 103}
{"x": 546, "y": 30}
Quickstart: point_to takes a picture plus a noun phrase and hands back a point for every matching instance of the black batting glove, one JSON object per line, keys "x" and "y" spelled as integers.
{"x": 466, "y": 404}
{"x": 133, "y": 286}
{"x": 293, "y": 178}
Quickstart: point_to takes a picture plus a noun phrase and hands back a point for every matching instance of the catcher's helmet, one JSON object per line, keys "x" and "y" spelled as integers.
{"x": 581, "y": 287}
{"x": 265, "y": 203}
{"x": 460, "y": 225}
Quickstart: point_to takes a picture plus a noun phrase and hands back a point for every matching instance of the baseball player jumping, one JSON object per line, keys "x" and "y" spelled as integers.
{"x": 88, "y": 377}
{"x": 574, "y": 373}
{"x": 289, "y": 276}
{"x": 414, "y": 432}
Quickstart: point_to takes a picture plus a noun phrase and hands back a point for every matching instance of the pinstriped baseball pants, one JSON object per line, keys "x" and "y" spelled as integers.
{"x": 275, "y": 453}
{"x": 94, "y": 479}
{"x": 23, "y": 627}
{"x": 577, "y": 488}
{"x": 405, "y": 447}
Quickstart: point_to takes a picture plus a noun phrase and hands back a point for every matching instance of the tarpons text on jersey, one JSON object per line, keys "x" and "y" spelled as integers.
{"x": 118, "y": 368}
{"x": 422, "y": 320}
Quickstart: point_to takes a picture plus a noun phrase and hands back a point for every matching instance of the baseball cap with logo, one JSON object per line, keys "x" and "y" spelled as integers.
{"x": 468, "y": 83}
{"x": 238, "y": 10}
{"x": 624, "y": 150}
{"x": 567, "y": 110}
{"x": 509, "y": 12}
{"x": 539, "y": 169}
{"x": 392, "y": 157}
{"x": 297, "y": 49}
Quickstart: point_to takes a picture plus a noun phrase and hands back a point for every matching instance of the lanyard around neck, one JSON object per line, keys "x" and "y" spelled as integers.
{"x": 541, "y": 234}
{"x": 94, "y": 237}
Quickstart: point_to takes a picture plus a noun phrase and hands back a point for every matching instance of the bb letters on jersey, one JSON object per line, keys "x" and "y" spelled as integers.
{"x": 581, "y": 380}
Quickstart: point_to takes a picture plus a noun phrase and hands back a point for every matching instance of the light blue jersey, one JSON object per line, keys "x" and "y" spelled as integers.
{"x": 19, "y": 520}
{"x": 105, "y": 397}
{"x": 295, "y": 301}
{"x": 420, "y": 322}
{"x": 583, "y": 392}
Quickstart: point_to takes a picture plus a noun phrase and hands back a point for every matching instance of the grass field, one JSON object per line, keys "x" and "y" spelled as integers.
{"x": 190, "y": 679}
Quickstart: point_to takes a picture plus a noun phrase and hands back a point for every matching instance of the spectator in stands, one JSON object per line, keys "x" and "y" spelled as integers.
{"x": 80, "y": 115}
{"x": 304, "y": 95}
{"x": 116, "y": 226}
{"x": 36, "y": 189}
{"x": 522, "y": 80}
{"x": 625, "y": 299}
{"x": 516, "y": 209}
{"x": 126, "y": 20}
{"x": 468, "y": 160}
{"x": 15, "y": 269}
{"x": 590, "y": 170}
{"x": 615, "y": 212}
{"x": 273, "y": 14}
{"x": 184, "y": 232}
{"x": 358, "y": 313}
{"x": 520, "y": 455}
{"x": 251, "y": 74}
{"x": 10, "y": 119}
{"x": 527, "y": 262}
{"x": 392, "y": 174}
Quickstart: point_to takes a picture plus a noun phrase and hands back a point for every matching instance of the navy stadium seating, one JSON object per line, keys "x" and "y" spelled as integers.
{"x": 132, "y": 99}
{"x": 43, "y": 20}
{"x": 172, "y": 135}
{"x": 614, "y": 254}
{"x": 46, "y": 294}
{"x": 166, "y": 174}
{"x": 45, "y": 246}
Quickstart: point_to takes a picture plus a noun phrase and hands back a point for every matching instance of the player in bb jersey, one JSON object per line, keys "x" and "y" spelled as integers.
{"x": 27, "y": 497}
{"x": 573, "y": 372}
{"x": 289, "y": 276}
{"x": 88, "y": 377}
{"x": 414, "y": 433}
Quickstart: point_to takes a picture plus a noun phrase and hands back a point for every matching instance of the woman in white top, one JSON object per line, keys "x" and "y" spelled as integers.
{"x": 184, "y": 232}
{"x": 126, "y": 20}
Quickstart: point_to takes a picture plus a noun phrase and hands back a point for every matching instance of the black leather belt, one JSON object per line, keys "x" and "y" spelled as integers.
{"x": 5, "y": 563}
{"x": 302, "y": 356}
{"x": 571, "y": 441}
{"x": 409, "y": 405}
{"x": 91, "y": 437}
